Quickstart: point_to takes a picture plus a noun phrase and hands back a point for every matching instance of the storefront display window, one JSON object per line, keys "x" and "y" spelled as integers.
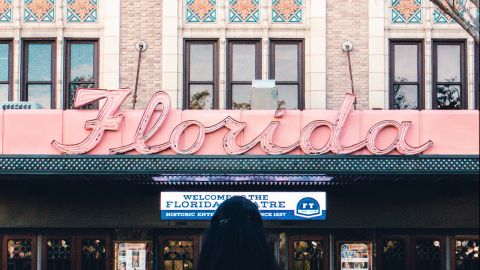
{"x": 355, "y": 255}
{"x": 132, "y": 255}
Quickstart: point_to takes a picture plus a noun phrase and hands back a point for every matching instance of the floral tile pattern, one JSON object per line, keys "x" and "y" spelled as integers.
{"x": 406, "y": 11}
{"x": 244, "y": 11}
{"x": 287, "y": 11}
{"x": 441, "y": 17}
{"x": 82, "y": 10}
{"x": 201, "y": 11}
{"x": 5, "y": 11}
{"x": 39, "y": 10}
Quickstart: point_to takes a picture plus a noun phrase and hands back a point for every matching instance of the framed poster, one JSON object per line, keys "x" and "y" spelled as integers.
{"x": 355, "y": 255}
{"x": 132, "y": 255}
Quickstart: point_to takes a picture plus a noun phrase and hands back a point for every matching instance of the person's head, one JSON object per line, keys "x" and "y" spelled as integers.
{"x": 235, "y": 239}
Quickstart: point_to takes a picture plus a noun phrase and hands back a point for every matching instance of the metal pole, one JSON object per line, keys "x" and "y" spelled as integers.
{"x": 138, "y": 74}
{"x": 351, "y": 79}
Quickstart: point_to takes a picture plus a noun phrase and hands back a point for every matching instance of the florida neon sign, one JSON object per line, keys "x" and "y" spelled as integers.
{"x": 109, "y": 120}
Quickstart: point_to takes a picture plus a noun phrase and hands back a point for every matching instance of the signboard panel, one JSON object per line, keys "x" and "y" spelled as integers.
{"x": 272, "y": 205}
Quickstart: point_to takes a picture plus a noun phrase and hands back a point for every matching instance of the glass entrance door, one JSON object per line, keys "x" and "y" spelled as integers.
{"x": 308, "y": 252}
{"x": 178, "y": 252}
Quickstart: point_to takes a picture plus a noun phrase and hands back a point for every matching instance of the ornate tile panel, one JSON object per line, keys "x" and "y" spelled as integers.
{"x": 406, "y": 11}
{"x": 201, "y": 11}
{"x": 39, "y": 10}
{"x": 244, "y": 11}
{"x": 441, "y": 17}
{"x": 82, "y": 10}
{"x": 287, "y": 11}
{"x": 5, "y": 11}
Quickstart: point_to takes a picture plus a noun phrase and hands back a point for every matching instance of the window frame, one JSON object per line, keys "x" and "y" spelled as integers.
{"x": 4, "y": 242}
{"x": 258, "y": 65}
{"x": 463, "y": 70}
{"x": 9, "y": 42}
{"x": 420, "y": 70}
{"x": 52, "y": 82}
{"x": 67, "y": 65}
{"x": 300, "y": 67}
{"x": 186, "y": 71}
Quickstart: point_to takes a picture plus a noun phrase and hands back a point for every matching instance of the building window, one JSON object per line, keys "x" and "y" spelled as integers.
{"x": 81, "y": 68}
{"x": 244, "y": 65}
{"x": 201, "y": 74}
{"x": 406, "y": 75}
{"x": 39, "y": 72}
{"x": 449, "y": 76}
{"x": 286, "y": 68}
{"x": 477, "y": 76}
{"x": 5, "y": 71}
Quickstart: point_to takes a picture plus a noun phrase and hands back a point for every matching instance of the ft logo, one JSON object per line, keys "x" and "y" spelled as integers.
{"x": 308, "y": 207}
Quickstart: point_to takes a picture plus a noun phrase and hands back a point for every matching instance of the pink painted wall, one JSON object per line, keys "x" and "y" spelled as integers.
{"x": 32, "y": 131}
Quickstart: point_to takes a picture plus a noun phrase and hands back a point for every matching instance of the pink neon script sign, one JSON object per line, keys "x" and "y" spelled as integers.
{"x": 109, "y": 120}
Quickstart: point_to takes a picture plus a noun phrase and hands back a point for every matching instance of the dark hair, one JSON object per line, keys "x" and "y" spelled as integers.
{"x": 235, "y": 239}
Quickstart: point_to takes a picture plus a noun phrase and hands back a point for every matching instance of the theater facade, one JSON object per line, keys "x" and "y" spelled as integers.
{"x": 338, "y": 189}
{"x": 353, "y": 125}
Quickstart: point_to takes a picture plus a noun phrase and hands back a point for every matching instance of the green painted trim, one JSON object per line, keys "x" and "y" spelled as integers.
{"x": 243, "y": 164}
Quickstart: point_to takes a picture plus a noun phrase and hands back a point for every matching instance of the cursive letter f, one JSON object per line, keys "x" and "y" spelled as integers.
{"x": 106, "y": 118}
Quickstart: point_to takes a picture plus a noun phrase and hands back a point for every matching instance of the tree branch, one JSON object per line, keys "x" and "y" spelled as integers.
{"x": 476, "y": 3}
{"x": 448, "y": 7}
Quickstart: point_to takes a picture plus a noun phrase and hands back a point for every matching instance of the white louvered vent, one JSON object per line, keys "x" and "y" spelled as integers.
{"x": 20, "y": 105}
